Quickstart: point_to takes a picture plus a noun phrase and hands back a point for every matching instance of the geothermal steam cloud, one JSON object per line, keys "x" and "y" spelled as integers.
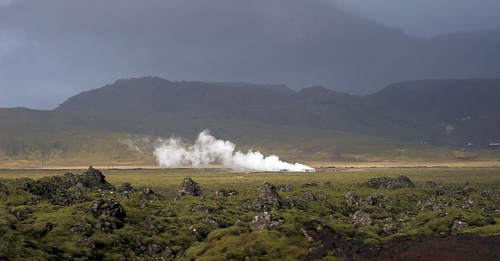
{"x": 207, "y": 150}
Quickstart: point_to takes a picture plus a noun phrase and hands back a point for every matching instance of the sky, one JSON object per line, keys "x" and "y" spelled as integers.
{"x": 53, "y": 49}
{"x": 430, "y": 17}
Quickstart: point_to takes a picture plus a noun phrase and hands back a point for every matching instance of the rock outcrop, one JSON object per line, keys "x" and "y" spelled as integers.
{"x": 111, "y": 208}
{"x": 265, "y": 220}
{"x": 66, "y": 190}
{"x": 390, "y": 183}
{"x": 323, "y": 241}
{"x": 268, "y": 198}
{"x": 189, "y": 188}
{"x": 361, "y": 218}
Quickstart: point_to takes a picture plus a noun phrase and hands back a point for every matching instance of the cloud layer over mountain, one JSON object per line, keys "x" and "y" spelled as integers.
{"x": 52, "y": 49}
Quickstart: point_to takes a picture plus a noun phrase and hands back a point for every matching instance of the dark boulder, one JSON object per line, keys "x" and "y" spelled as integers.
{"x": 66, "y": 190}
{"x": 390, "y": 183}
{"x": 323, "y": 241}
{"x": 126, "y": 187}
{"x": 189, "y": 188}
{"x": 159, "y": 251}
{"x": 67, "y": 197}
{"x": 361, "y": 218}
{"x": 268, "y": 198}
{"x": 111, "y": 208}
{"x": 94, "y": 179}
{"x": 149, "y": 194}
{"x": 351, "y": 198}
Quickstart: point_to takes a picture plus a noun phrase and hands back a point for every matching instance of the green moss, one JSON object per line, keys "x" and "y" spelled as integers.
{"x": 258, "y": 245}
{"x": 185, "y": 226}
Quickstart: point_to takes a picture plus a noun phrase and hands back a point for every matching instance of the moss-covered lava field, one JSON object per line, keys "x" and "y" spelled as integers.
{"x": 186, "y": 214}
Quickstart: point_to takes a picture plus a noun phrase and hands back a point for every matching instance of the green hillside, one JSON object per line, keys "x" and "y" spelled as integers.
{"x": 33, "y": 136}
{"x": 120, "y": 123}
{"x": 36, "y": 136}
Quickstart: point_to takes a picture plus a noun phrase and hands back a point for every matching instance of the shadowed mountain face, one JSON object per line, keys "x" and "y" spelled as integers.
{"x": 447, "y": 110}
{"x": 441, "y": 111}
{"x": 315, "y": 123}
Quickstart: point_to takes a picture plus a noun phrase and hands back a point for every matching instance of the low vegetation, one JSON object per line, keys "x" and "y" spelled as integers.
{"x": 219, "y": 215}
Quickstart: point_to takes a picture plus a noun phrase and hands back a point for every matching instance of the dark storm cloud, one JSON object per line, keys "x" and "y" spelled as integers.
{"x": 430, "y": 17}
{"x": 52, "y": 49}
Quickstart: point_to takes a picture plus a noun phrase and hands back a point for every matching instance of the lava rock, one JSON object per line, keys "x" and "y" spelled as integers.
{"x": 435, "y": 204}
{"x": 126, "y": 187}
{"x": 370, "y": 200}
{"x": 309, "y": 196}
{"x": 431, "y": 184}
{"x": 77, "y": 229}
{"x": 225, "y": 193}
{"x": 85, "y": 242}
{"x": 149, "y": 194}
{"x": 390, "y": 183}
{"x": 309, "y": 185}
{"x": 265, "y": 220}
{"x": 189, "y": 188}
{"x": 391, "y": 226}
{"x": 66, "y": 190}
{"x": 458, "y": 224}
{"x": 268, "y": 198}
{"x": 110, "y": 208}
{"x": 199, "y": 208}
{"x": 94, "y": 179}
{"x": 285, "y": 188}
{"x": 351, "y": 198}
{"x": 361, "y": 218}
{"x": 324, "y": 240}
{"x": 210, "y": 220}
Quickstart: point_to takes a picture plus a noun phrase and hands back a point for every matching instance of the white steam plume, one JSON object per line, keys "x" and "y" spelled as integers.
{"x": 207, "y": 150}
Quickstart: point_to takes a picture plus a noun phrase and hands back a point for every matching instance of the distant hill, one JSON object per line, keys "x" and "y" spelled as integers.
{"x": 278, "y": 88}
{"x": 444, "y": 111}
{"x": 449, "y": 112}
{"x": 314, "y": 107}
{"x": 315, "y": 122}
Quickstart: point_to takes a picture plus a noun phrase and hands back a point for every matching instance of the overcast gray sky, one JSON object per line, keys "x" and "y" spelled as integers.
{"x": 430, "y": 17}
{"x": 53, "y": 49}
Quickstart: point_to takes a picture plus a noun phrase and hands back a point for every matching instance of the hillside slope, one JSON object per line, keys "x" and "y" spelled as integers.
{"x": 445, "y": 112}
{"x": 121, "y": 121}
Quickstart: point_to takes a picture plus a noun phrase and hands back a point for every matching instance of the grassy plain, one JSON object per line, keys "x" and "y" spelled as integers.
{"x": 167, "y": 181}
{"x": 213, "y": 178}
{"x": 35, "y": 139}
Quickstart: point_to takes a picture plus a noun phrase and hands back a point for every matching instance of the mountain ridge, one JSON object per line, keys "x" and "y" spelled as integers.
{"x": 412, "y": 110}
{"x": 315, "y": 123}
